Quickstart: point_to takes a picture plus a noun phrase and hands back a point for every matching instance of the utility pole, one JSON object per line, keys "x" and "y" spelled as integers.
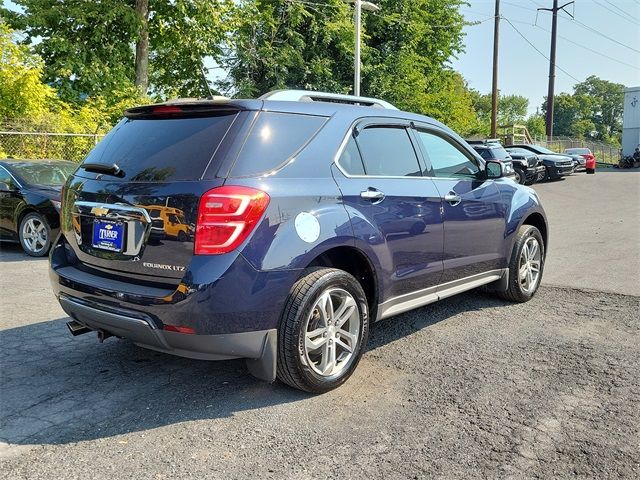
{"x": 494, "y": 85}
{"x": 552, "y": 63}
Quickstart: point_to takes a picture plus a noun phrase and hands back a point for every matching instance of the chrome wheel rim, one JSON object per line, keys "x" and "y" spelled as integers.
{"x": 331, "y": 333}
{"x": 530, "y": 265}
{"x": 34, "y": 235}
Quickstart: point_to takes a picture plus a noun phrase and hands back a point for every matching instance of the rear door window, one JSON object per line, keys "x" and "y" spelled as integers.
{"x": 274, "y": 139}
{"x": 162, "y": 149}
{"x": 387, "y": 152}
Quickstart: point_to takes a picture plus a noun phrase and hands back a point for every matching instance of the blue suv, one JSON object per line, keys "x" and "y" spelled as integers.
{"x": 304, "y": 218}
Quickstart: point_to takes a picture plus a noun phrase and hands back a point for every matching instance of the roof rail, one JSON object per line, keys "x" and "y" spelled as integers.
{"x": 310, "y": 96}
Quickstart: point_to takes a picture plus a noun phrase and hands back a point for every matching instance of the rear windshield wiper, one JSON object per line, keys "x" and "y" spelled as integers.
{"x": 112, "y": 169}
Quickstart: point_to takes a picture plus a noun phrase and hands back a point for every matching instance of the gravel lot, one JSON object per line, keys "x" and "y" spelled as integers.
{"x": 469, "y": 387}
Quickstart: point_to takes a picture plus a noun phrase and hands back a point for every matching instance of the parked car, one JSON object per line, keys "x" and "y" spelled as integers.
{"x": 30, "y": 202}
{"x": 315, "y": 215}
{"x": 588, "y": 162}
{"x": 556, "y": 164}
{"x": 527, "y": 166}
{"x": 493, "y": 150}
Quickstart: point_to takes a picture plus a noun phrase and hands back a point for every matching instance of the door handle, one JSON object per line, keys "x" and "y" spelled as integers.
{"x": 453, "y": 198}
{"x": 373, "y": 195}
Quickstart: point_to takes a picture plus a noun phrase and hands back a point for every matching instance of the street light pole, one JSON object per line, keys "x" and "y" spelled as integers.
{"x": 356, "y": 67}
{"x": 359, "y": 5}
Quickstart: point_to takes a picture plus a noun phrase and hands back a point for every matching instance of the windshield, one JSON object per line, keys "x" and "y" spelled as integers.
{"x": 44, "y": 173}
{"x": 542, "y": 149}
{"x": 500, "y": 153}
{"x": 577, "y": 151}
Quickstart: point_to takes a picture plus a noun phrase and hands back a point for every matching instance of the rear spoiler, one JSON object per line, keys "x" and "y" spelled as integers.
{"x": 186, "y": 108}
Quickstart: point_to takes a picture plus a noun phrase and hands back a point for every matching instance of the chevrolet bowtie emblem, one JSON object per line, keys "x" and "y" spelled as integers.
{"x": 99, "y": 211}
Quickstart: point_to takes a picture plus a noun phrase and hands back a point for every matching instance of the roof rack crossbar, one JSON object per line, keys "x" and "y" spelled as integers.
{"x": 311, "y": 96}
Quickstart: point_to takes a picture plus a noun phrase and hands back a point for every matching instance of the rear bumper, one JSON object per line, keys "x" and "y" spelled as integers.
{"x": 258, "y": 346}
{"x": 145, "y": 333}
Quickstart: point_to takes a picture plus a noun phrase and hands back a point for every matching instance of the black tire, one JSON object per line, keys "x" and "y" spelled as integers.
{"x": 43, "y": 238}
{"x": 292, "y": 365}
{"x": 591, "y": 171}
{"x": 521, "y": 176}
{"x": 182, "y": 237}
{"x": 516, "y": 291}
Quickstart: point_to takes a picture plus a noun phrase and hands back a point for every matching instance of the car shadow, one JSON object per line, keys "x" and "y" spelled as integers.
{"x": 12, "y": 252}
{"x": 57, "y": 389}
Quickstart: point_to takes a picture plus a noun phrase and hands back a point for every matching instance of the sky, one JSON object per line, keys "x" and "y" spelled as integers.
{"x": 580, "y": 52}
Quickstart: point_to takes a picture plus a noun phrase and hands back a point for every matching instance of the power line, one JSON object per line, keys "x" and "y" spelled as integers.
{"x": 587, "y": 48}
{"x": 593, "y": 30}
{"x": 621, "y": 10}
{"x": 624, "y": 17}
{"x": 537, "y": 50}
{"x": 520, "y": 6}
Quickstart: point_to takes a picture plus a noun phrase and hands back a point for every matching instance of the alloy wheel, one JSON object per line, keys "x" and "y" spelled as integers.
{"x": 331, "y": 333}
{"x": 34, "y": 235}
{"x": 530, "y": 265}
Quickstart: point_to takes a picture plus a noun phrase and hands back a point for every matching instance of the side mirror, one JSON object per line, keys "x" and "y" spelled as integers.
{"x": 494, "y": 169}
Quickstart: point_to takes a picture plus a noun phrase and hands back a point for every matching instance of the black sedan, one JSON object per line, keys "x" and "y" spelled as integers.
{"x": 30, "y": 202}
{"x": 556, "y": 164}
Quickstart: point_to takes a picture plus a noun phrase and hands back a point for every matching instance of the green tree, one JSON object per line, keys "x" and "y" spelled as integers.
{"x": 22, "y": 93}
{"x": 535, "y": 125}
{"x": 87, "y": 50}
{"x": 310, "y": 45}
{"x": 511, "y": 108}
{"x": 606, "y": 105}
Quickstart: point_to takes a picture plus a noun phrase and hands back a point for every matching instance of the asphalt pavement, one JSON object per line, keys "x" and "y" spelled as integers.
{"x": 470, "y": 387}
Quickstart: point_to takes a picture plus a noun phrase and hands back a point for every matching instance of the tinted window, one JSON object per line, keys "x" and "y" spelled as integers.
{"x": 44, "y": 173}
{"x": 162, "y": 149}
{"x": 274, "y": 139}
{"x": 350, "y": 160}
{"x": 388, "y": 152}
{"x": 446, "y": 160}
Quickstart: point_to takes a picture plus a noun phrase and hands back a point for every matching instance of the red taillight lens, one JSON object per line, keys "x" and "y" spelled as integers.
{"x": 226, "y": 216}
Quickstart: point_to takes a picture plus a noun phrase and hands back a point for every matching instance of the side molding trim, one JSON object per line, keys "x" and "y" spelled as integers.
{"x": 420, "y": 298}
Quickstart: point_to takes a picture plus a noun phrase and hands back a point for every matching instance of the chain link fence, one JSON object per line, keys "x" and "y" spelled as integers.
{"x": 604, "y": 152}
{"x": 53, "y": 146}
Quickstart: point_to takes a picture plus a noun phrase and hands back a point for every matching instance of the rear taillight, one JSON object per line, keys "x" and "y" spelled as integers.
{"x": 226, "y": 216}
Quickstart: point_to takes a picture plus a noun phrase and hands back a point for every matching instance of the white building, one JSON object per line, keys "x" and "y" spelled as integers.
{"x": 631, "y": 120}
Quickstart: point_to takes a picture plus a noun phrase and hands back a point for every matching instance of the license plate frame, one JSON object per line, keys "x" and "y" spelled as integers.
{"x": 109, "y": 242}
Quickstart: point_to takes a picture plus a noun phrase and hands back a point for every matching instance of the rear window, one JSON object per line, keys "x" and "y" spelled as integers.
{"x": 273, "y": 140}
{"x": 163, "y": 149}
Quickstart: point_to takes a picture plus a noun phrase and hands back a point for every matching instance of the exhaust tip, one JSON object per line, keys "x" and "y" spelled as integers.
{"x": 76, "y": 328}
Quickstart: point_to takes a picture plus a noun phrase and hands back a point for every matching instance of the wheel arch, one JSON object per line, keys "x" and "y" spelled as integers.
{"x": 354, "y": 261}
{"x": 536, "y": 219}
